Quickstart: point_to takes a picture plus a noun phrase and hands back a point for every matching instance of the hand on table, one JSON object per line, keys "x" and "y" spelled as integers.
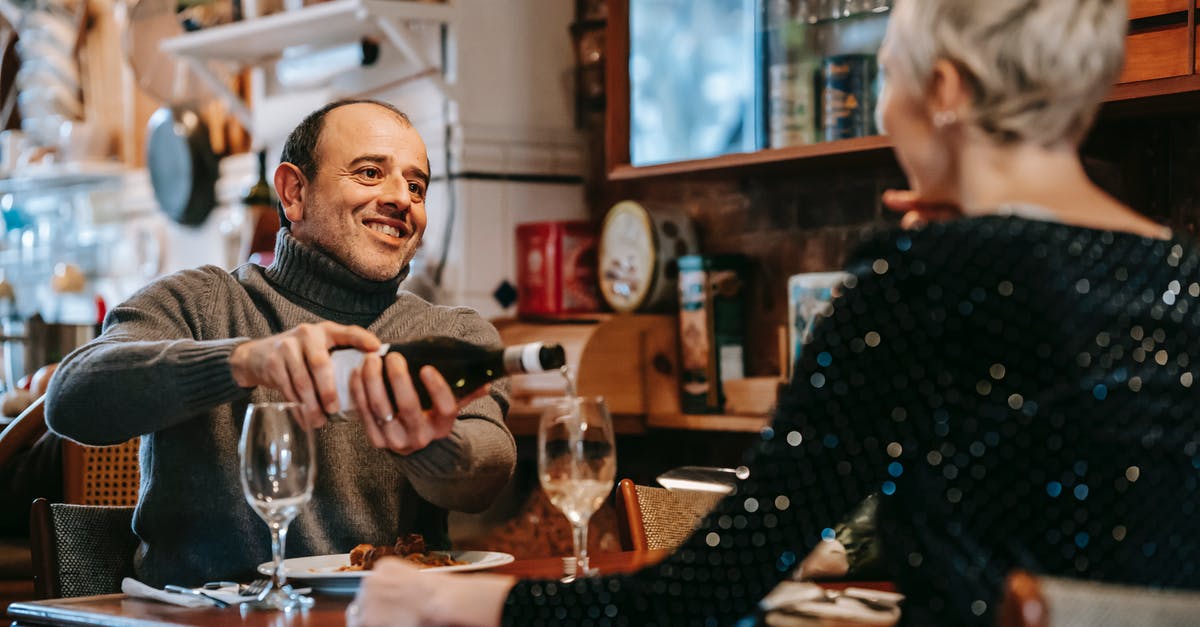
{"x": 397, "y": 422}
{"x": 296, "y": 362}
{"x": 397, "y": 594}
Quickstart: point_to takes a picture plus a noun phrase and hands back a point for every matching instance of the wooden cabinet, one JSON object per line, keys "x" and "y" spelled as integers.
{"x": 1159, "y": 74}
{"x": 1161, "y": 41}
{"x": 1161, "y": 52}
{"x": 1147, "y": 8}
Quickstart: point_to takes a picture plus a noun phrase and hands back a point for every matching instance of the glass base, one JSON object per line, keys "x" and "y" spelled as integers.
{"x": 283, "y": 598}
{"x": 571, "y": 571}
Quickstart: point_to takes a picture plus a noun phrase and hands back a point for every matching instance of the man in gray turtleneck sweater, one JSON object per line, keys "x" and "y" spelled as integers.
{"x": 180, "y": 360}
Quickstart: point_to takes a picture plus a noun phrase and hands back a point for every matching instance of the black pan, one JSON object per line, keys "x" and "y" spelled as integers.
{"x": 183, "y": 166}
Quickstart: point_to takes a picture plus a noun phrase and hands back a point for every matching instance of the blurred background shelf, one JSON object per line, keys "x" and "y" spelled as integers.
{"x": 49, "y": 178}
{"x": 327, "y": 23}
{"x": 632, "y": 361}
{"x": 709, "y": 422}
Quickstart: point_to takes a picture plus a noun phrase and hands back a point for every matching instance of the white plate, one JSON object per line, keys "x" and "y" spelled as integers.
{"x": 322, "y": 574}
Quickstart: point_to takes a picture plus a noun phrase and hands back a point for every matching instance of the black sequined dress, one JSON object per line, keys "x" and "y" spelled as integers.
{"x": 1021, "y": 393}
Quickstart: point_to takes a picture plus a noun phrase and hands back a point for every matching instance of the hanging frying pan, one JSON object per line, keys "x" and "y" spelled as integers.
{"x": 183, "y": 166}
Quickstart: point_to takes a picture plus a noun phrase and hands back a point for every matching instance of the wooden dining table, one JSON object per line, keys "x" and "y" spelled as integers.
{"x": 119, "y": 610}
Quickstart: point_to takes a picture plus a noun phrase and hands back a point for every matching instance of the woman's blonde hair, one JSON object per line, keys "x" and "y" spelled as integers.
{"x": 1037, "y": 69}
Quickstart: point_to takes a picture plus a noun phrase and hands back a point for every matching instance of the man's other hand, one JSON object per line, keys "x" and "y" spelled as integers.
{"x": 296, "y": 362}
{"x": 397, "y": 422}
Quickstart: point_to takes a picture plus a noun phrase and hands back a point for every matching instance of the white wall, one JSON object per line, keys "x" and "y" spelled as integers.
{"x": 510, "y": 112}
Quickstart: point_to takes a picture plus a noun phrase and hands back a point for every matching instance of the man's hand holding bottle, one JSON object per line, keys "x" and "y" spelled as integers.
{"x": 397, "y": 422}
{"x": 297, "y": 363}
{"x": 400, "y": 391}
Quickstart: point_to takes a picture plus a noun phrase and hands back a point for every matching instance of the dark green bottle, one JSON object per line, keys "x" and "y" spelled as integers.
{"x": 465, "y": 366}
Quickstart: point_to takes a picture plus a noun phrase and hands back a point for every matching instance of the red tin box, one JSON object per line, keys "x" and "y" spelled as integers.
{"x": 556, "y": 268}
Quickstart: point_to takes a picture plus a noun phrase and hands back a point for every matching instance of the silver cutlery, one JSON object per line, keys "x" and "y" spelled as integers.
{"x": 257, "y": 588}
{"x": 197, "y": 593}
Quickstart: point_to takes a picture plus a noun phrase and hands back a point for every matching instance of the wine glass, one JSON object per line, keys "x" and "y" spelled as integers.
{"x": 278, "y": 466}
{"x": 577, "y": 462}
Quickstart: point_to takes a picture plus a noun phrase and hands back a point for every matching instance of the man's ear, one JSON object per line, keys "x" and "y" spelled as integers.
{"x": 290, "y": 185}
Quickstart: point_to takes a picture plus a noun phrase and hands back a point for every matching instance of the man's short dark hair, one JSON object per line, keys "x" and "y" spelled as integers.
{"x": 300, "y": 149}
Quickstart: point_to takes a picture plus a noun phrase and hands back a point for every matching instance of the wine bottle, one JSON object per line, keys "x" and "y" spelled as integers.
{"x": 464, "y": 365}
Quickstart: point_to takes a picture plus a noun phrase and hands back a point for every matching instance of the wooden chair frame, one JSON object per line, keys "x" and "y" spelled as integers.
{"x": 631, "y": 531}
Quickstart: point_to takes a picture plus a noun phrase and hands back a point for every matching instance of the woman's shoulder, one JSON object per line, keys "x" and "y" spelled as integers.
{"x": 999, "y": 241}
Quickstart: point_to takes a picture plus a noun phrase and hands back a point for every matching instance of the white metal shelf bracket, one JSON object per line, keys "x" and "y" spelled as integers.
{"x": 256, "y": 42}
{"x": 231, "y": 98}
{"x": 392, "y": 31}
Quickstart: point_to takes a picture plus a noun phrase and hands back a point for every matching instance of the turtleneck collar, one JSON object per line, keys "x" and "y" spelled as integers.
{"x": 324, "y": 286}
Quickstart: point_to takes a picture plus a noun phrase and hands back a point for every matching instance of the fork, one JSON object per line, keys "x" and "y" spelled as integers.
{"x": 182, "y": 590}
{"x": 257, "y": 589}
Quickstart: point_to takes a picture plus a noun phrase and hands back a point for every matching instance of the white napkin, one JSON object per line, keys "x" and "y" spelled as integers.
{"x": 135, "y": 588}
{"x": 228, "y": 594}
{"x": 794, "y": 603}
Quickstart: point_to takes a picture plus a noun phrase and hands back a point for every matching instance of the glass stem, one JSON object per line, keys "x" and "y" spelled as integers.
{"x": 581, "y": 553}
{"x": 278, "y": 538}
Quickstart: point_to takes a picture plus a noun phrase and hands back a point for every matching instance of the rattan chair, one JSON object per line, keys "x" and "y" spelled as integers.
{"x": 101, "y": 475}
{"x": 1041, "y": 601}
{"x": 80, "y": 550}
{"x": 657, "y": 518}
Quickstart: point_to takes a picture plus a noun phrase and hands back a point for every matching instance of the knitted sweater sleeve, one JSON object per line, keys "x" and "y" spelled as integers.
{"x": 152, "y": 367}
{"x": 466, "y": 470}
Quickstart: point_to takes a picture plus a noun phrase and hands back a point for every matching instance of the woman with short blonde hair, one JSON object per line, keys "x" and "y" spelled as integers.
{"x": 1037, "y": 71}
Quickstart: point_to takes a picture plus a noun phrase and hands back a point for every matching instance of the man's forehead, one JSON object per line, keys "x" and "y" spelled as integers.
{"x": 364, "y": 128}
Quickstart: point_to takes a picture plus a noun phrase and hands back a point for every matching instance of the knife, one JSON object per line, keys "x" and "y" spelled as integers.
{"x": 182, "y": 590}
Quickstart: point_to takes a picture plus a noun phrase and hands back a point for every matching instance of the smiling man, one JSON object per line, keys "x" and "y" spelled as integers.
{"x": 180, "y": 360}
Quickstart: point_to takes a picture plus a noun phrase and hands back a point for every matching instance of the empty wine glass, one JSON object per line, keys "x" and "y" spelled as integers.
{"x": 278, "y": 466}
{"x": 576, "y": 464}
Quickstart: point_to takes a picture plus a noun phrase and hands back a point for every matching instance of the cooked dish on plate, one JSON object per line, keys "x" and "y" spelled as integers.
{"x": 410, "y": 547}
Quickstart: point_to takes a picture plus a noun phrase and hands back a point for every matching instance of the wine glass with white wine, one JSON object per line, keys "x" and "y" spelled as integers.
{"x": 278, "y": 466}
{"x": 577, "y": 463}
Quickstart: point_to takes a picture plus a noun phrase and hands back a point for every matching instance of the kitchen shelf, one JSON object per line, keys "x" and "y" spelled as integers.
{"x": 839, "y": 151}
{"x": 54, "y": 177}
{"x": 525, "y": 424}
{"x": 1176, "y": 93}
{"x": 522, "y": 423}
{"x": 709, "y": 422}
{"x": 263, "y": 39}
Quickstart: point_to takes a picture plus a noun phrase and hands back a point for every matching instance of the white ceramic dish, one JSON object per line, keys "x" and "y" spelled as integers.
{"x": 321, "y": 571}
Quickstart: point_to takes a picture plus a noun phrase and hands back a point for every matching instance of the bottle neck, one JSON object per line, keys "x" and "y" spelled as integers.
{"x": 521, "y": 358}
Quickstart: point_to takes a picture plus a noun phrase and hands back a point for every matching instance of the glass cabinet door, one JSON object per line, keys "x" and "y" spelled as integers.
{"x": 714, "y": 77}
{"x": 693, "y": 66}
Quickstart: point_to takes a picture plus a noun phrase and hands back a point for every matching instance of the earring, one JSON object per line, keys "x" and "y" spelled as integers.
{"x": 942, "y": 119}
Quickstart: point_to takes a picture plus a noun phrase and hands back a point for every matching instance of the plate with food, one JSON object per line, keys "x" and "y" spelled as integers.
{"x": 341, "y": 573}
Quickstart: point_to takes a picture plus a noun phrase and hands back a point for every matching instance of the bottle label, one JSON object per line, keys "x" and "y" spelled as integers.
{"x": 344, "y": 361}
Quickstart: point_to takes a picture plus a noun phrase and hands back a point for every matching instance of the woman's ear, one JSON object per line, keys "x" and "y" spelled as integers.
{"x": 290, "y": 185}
{"x": 948, "y": 97}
